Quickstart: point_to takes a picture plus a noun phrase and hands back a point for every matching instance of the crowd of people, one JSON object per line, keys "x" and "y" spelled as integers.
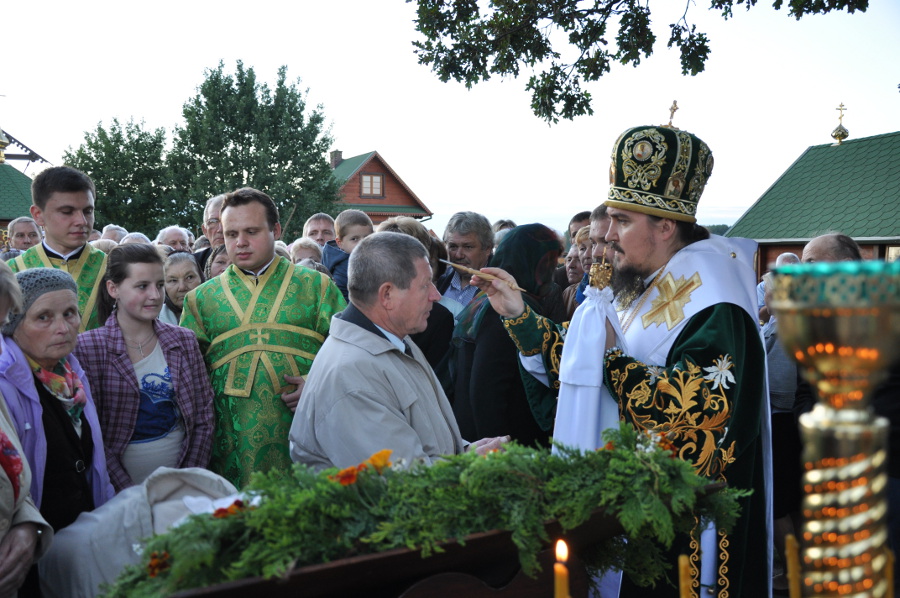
{"x": 236, "y": 353}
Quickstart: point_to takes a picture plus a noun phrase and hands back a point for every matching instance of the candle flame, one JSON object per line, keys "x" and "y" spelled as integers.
{"x": 562, "y": 551}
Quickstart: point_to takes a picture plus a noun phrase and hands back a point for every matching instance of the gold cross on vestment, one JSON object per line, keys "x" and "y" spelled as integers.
{"x": 259, "y": 337}
{"x": 669, "y": 305}
{"x": 672, "y": 110}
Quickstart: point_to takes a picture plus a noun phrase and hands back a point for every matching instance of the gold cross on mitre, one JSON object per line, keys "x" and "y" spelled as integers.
{"x": 669, "y": 305}
{"x": 672, "y": 109}
{"x": 841, "y": 117}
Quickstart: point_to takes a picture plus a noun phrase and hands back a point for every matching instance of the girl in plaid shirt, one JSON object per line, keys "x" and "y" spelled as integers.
{"x": 148, "y": 378}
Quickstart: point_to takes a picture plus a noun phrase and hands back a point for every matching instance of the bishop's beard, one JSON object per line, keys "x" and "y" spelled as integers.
{"x": 627, "y": 285}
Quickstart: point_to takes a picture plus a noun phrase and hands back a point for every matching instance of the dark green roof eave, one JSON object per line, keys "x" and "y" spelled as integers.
{"x": 348, "y": 167}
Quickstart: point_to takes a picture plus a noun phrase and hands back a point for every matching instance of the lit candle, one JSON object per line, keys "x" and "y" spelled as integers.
{"x": 792, "y": 558}
{"x": 684, "y": 577}
{"x": 560, "y": 572}
{"x": 889, "y": 573}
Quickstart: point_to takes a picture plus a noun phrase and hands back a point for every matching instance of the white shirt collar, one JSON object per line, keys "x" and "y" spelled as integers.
{"x": 395, "y": 340}
{"x": 261, "y": 270}
{"x": 54, "y": 252}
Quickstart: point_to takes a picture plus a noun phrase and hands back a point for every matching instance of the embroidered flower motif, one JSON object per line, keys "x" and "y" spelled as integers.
{"x": 720, "y": 373}
{"x": 655, "y": 372}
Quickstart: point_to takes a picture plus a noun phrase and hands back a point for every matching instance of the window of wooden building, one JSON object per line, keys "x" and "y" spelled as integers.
{"x": 371, "y": 185}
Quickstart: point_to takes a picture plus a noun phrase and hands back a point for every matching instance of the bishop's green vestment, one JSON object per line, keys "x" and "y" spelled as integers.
{"x": 693, "y": 367}
{"x": 87, "y": 270}
{"x": 252, "y": 332}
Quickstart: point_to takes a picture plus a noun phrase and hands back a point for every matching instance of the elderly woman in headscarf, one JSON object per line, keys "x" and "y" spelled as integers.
{"x": 50, "y": 401}
{"x": 26, "y": 534}
{"x": 492, "y": 397}
{"x": 182, "y": 275}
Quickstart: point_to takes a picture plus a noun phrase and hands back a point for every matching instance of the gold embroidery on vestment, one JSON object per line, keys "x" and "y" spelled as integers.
{"x": 259, "y": 334}
{"x": 691, "y": 409}
{"x": 694, "y": 560}
{"x": 723, "y": 565}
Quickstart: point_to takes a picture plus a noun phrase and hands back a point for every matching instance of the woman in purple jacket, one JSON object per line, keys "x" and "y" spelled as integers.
{"x": 149, "y": 381}
{"x": 49, "y": 399}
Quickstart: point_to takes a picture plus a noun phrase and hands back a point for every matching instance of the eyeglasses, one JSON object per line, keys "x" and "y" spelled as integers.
{"x": 213, "y": 222}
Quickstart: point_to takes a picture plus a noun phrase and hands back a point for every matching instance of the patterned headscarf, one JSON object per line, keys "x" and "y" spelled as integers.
{"x": 63, "y": 383}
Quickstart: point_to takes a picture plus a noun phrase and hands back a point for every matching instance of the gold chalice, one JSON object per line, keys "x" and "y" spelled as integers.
{"x": 841, "y": 323}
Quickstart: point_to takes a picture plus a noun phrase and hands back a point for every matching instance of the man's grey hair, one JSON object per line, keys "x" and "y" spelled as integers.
{"x": 841, "y": 247}
{"x": 119, "y": 231}
{"x": 464, "y": 223}
{"x": 309, "y": 244}
{"x": 210, "y": 204}
{"x": 786, "y": 258}
{"x": 163, "y": 232}
{"x": 136, "y": 238}
{"x": 380, "y": 258}
{"x": 20, "y": 220}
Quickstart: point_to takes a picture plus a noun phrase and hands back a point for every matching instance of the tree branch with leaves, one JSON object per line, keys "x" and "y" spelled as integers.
{"x": 470, "y": 44}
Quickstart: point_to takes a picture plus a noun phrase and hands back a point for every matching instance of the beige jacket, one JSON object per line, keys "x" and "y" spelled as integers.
{"x": 363, "y": 395}
{"x": 14, "y": 511}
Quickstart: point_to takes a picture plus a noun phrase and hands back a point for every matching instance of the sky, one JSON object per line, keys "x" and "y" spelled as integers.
{"x": 770, "y": 90}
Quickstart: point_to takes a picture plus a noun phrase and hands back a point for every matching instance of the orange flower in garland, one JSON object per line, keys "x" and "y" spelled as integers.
{"x": 159, "y": 562}
{"x": 346, "y": 476}
{"x": 609, "y": 446}
{"x": 232, "y": 509}
{"x": 380, "y": 460}
{"x": 667, "y": 445}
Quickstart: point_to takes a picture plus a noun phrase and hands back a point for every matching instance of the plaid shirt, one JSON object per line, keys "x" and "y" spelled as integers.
{"x": 459, "y": 293}
{"x": 105, "y": 360}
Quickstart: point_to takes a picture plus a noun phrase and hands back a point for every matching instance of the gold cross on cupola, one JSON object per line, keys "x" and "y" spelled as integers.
{"x": 840, "y": 132}
{"x": 672, "y": 109}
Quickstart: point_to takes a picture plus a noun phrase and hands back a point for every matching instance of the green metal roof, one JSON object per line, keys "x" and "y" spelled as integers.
{"x": 853, "y": 188}
{"x": 15, "y": 193}
{"x": 346, "y": 168}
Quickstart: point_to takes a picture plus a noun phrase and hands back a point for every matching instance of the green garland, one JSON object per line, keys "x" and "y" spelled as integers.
{"x": 308, "y": 518}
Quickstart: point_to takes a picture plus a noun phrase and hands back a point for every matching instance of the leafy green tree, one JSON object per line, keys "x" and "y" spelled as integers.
{"x": 469, "y": 42}
{"x": 238, "y": 132}
{"x": 127, "y": 164}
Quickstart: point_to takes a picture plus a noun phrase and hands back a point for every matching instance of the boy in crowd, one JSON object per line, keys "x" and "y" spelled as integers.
{"x": 350, "y": 227}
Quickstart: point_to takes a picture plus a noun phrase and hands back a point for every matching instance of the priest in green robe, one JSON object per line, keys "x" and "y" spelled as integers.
{"x": 63, "y": 204}
{"x": 672, "y": 348}
{"x": 260, "y": 324}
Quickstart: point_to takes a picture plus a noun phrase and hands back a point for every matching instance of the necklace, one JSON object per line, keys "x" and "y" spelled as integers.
{"x": 140, "y": 346}
{"x": 643, "y": 299}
